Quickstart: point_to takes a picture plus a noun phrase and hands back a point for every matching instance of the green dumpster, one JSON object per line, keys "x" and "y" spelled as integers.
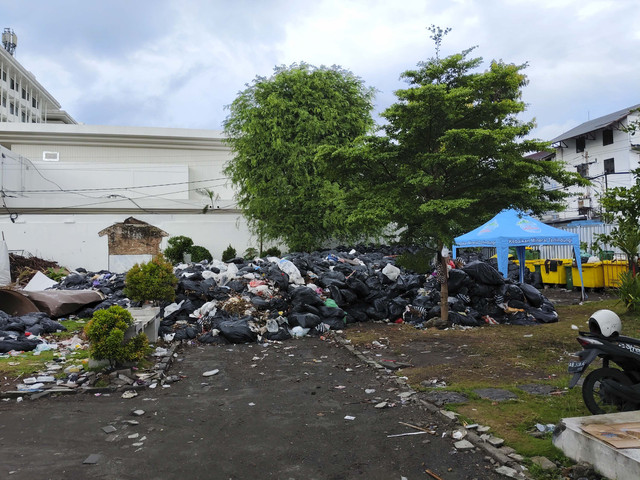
{"x": 568, "y": 270}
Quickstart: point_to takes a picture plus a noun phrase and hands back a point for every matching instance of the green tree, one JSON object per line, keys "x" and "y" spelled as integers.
{"x": 451, "y": 155}
{"x": 152, "y": 281}
{"x": 275, "y": 128}
{"x": 621, "y": 206}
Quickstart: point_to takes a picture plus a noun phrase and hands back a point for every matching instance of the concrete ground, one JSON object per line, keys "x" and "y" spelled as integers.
{"x": 302, "y": 409}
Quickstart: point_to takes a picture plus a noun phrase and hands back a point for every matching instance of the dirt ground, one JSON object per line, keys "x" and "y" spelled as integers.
{"x": 303, "y": 409}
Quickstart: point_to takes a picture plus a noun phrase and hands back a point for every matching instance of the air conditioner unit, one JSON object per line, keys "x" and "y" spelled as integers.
{"x": 50, "y": 156}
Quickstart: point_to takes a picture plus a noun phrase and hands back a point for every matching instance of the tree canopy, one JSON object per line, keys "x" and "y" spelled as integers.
{"x": 275, "y": 129}
{"x": 451, "y": 155}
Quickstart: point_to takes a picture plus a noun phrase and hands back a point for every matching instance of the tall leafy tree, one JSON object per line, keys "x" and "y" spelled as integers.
{"x": 275, "y": 128}
{"x": 451, "y": 155}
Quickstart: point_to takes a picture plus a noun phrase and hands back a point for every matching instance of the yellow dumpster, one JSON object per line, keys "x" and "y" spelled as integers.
{"x": 592, "y": 273}
{"x": 530, "y": 264}
{"x": 612, "y": 269}
{"x": 554, "y": 272}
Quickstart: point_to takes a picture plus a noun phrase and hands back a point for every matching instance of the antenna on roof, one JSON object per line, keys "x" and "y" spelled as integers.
{"x": 9, "y": 40}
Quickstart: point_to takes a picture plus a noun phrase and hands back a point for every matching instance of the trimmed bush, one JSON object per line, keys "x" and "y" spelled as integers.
{"x": 199, "y": 254}
{"x": 178, "y": 246}
{"x": 250, "y": 253}
{"x": 228, "y": 254}
{"x": 151, "y": 282}
{"x": 105, "y": 332}
{"x": 272, "y": 252}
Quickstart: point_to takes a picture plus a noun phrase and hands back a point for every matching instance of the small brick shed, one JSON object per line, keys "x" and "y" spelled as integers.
{"x": 130, "y": 242}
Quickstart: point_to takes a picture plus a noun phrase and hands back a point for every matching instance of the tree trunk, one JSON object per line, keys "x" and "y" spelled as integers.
{"x": 444, "y": 287}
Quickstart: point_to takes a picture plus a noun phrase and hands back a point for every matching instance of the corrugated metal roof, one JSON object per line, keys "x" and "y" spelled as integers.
{"x": 595, "y": 124}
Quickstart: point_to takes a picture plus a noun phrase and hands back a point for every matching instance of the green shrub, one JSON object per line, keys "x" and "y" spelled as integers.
{"x": 629, "y": 291}
{"x": 178, "y": 246}
{"x": 250, "y": 253}
{"x": 56, "y": 274}
{"x": 153, "y": 281}
{"x": 105, "y": 332}
{"x": 272, "y": 252}
{"x": 228, "y": 254}
{"x": 199, "y": 254}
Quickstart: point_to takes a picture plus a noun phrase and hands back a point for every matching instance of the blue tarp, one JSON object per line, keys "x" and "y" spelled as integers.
{"x": 511, "y": 228}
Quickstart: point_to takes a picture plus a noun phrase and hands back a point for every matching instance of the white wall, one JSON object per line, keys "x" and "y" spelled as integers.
{"x": 73, "y": 241}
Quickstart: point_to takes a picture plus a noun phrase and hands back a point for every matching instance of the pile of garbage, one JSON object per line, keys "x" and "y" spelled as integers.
{"x": 311, "y": 293}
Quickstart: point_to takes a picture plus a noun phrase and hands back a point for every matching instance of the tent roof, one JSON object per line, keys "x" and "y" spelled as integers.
{"x": 515, "y": 229}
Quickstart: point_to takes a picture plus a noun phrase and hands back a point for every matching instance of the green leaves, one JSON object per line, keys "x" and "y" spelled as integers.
{"x": 276, "y": 127}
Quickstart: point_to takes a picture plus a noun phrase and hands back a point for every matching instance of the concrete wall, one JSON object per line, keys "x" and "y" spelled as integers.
{"x": 73, "y": 241}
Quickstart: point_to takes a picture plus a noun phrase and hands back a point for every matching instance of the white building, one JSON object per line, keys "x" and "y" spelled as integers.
{"x": 62, "y": 184}
{"x": 601, "y": 151}
{"x": 22, "y": 98}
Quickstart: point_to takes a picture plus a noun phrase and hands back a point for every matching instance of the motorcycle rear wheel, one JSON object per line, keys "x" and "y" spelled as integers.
{"x": 597, "y": 400}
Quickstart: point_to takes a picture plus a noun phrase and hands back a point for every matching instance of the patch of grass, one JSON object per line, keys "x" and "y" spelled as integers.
{"x": 25, "y": 364}
{"x": 74, "y": 327}
{"x": 502, "y": 356}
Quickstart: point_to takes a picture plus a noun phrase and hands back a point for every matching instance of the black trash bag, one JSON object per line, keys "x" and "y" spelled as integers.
{"x": 305, "y": 309}
{"x": 517, "y": 304}
{"x": 19, "y": 344}
{"x": 35, "y": 329}
{"x": 375, "y": 314}
{"x": 358, "y": 287}
{"x": 260, "y": 303}
{"x": 512, "y": 292}
{"x": 543, "y": 316}
{"x": 357, "y": 313}
{"x": 335, "y": 322}
{"x": 374, "y": 282}
{"x": 460, "y": 318}
{"x": 236, "y": 330}
{"x": 532, "y": 295}
{"x": 520, "y": 318}
{"x": 305, "y": 320}
{"x": 397, "y": 307}
{"x": 455, "y": 304}
{"x": 547, "y": 306}
{"x": 281, "y": 335}
{"x": 305, "y": 296}
{"x": 481, "y": 290}
{"x": 336, "y": 295}
{"x": 482, "y": 272}
{"x": 536, "y": 280}
{"x": 210, "y": 338}
{"x": 326, "y": 312}
{"x": 51, "y": 326}
{"x": 457, "y": 280}
{"x": 330, "y": 278}
{"x": 348, "y": 297}
{"x": 380, "y": 306}
{"x": 185, "y": 333}
{"x": 279, "y": 278}
{"x": 236, "y": 285}
{"x": 434, "y": 312}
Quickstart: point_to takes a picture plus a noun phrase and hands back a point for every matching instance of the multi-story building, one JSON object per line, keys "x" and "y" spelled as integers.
{"x": 22, "y": 98}
{"x": 603, "y": 151}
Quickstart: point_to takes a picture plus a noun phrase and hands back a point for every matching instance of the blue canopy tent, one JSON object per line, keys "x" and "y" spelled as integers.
{"x": 511, "y": 228}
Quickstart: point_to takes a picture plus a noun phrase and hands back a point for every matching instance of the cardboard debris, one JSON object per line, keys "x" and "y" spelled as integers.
{"x": 618, "y": 435}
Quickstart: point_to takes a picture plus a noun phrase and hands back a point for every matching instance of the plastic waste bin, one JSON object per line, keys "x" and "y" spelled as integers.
{"x": 554, "y": 272}
{"x": 592, "y": 274}
{"x": 606, "y": 255}
{"x": 612, "y": 269}
{"x": 569, "y": 276}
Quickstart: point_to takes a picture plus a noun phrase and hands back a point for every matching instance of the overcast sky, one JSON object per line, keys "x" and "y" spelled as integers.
{"x": 178, "y": 63}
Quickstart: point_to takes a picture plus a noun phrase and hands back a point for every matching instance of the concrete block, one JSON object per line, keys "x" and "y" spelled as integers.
{"x": 613, "y": 463}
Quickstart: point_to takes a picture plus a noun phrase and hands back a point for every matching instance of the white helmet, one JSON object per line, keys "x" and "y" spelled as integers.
{"x": 605, "y": 322}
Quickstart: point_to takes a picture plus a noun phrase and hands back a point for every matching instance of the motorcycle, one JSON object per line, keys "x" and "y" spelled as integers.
{"x": 608, "y": 389}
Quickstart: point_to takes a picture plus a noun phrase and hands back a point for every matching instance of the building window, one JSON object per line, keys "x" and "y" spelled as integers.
{"x": 580, "y": 141}
{"x": 609, "y": 166}
{"x": 23, "y": 116}
{"x": 4, "y": 101}
{"x": 12, "y": 84}
{"x": 607, "y": 137}
{"x": 24, "y": 94}
{"x": 4, "y": 76}
{"x": 12, "y": 108}
{"x": 34, "y": 102}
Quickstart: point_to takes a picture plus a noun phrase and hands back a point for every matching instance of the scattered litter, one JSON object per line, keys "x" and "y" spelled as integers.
{"x": 381, "y": 405}
{"x": 130, "y": 394}
{"x": 406, "y": 434}
{"x": 109, "y": 429}
{"x": 137, "y": 413}
{"x": 369, "y": 391}
{"x": 349, "y": 417}
{"x": 92, "y": 459}
{"x": 210, "y": 373}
